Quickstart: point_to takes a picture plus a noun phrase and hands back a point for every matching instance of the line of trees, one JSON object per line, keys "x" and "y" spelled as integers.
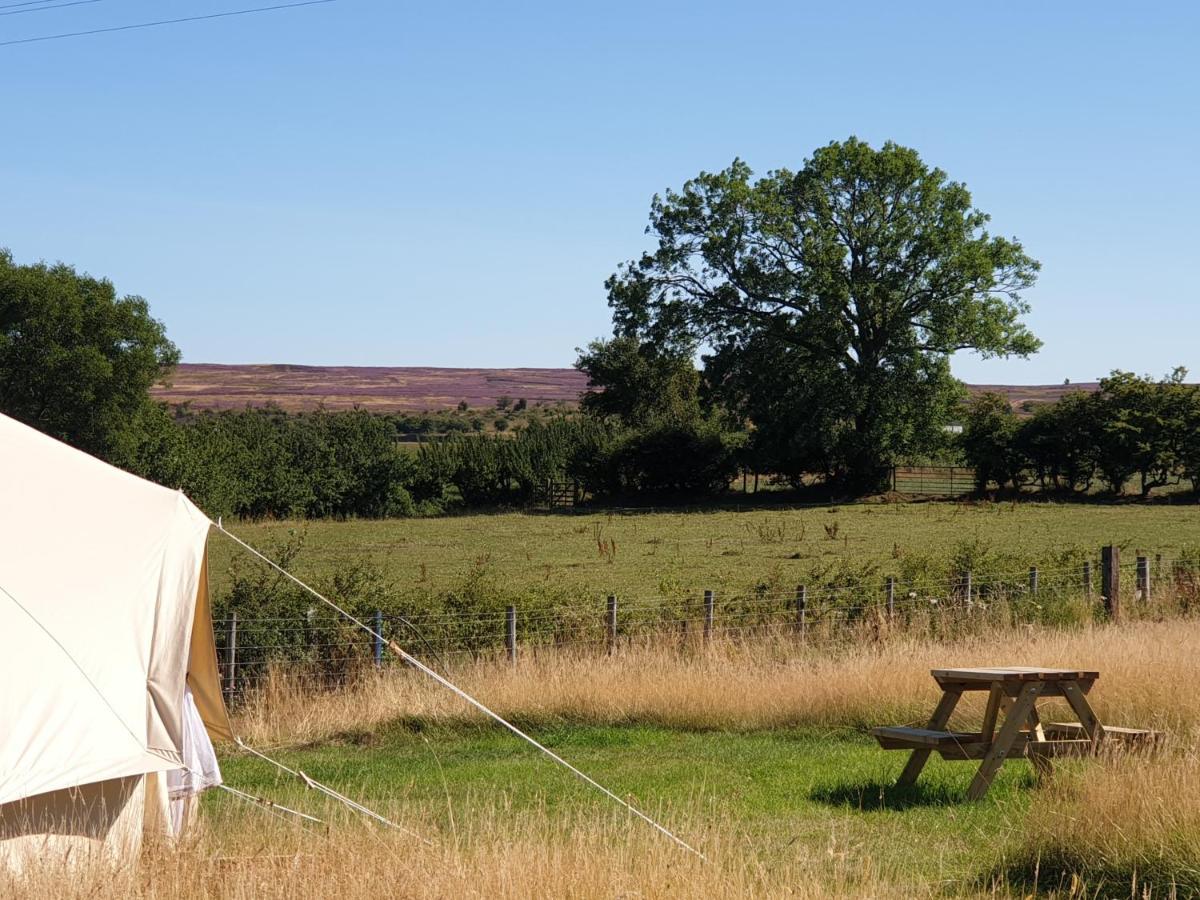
{"x": 825, "y": 304}
{"x": 265, "y": 463}
{"x": 1133, "y": 430}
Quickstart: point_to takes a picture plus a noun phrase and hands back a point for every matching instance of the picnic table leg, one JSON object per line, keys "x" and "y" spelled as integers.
{"x": 998, "y": 752}
{"x": 996, "y": 701}
{"x": 941, "y": 715}
{"x": 1041, "y": 763}
{"x": 1087, "y": 718}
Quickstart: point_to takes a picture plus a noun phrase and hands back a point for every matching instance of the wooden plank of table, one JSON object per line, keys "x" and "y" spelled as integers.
{"x": 898, "y": 737}
{"x": 976, "y": 750}
{"x": 937, "y": 722}
{"x": 1003, "y": 743}
{"x": 1074, "y": 730}
{"x": 1045, "y": 749}
{"x": 1012, "y": 674}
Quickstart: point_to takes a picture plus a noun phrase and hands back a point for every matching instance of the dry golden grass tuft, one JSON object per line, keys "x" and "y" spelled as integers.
{"x": 1147, "y": 670}
{"x": 1124, "y": 821}
{"x": 501, "y": 857}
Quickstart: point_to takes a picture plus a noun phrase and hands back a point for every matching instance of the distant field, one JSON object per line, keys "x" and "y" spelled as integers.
{"x": 674, "y": 554}
{"x": 378, "y": 388}
{"x": 416, "y": 389}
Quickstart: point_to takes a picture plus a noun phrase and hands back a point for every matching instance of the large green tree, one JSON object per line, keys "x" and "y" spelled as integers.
{"x": 831, "y": 299}
{"x": 77, "y": 360}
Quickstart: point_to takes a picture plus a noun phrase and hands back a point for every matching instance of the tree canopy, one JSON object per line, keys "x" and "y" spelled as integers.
{"x": 76, "y": 360}
{"x": 830, "y": 299}
{"x": 1131, "y": 428}
{"x": 637, "y": 384}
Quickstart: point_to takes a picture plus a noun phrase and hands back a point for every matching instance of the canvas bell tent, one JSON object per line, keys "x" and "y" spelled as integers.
{"x": 109, "y": 691}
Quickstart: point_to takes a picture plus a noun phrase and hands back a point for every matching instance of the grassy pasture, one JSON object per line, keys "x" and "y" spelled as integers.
{"x": 754, "y": 754}
{"x": 757, "y": 754}
{"x": 666, "y": 553}
{"x": 793, "y": 793}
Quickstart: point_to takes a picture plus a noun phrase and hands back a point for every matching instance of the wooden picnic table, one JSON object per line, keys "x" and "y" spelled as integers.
{"x": 1013, "y": 692}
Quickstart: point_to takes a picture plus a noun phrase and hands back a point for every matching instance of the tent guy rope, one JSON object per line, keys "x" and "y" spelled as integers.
{"x": 416, "y": 663}
{"x": 330, "y": 792}
{"x": 268, "y": 805}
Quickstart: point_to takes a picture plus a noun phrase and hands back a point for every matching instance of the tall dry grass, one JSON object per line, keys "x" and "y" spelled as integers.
{"x": 501, "y": 856}
{"x": 1122, "y": 826}
{"x": 1147, "y": 670}
{"x": 1118, "y": 827}
{"x": 1123, "y": 821}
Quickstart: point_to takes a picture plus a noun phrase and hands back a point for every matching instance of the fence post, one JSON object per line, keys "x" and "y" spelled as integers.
{"x": 610, "y": 621}
{"x": 231, "y": 654}
{"x": 1143, "y": 578}
{"x": 377, "y": 639}
{"x": 1033, "y": 579}
{"x": 801, "y": 609}
{"x": 891, "y": 598}
{"x": 708, "y": 616}
{"x": 1110, "y": 580}
{"x": 510, "y": 633}
{"x": 966, "y": 588}
{"x": 1087, "y": 579}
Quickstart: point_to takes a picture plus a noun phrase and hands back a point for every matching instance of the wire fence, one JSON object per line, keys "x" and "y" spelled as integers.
{"x": 322, "y": 651}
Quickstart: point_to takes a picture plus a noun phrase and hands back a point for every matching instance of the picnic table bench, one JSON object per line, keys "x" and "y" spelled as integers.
{"x": 1013, "y": 692}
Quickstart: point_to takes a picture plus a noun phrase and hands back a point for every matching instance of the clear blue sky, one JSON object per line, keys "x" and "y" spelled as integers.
{"x": 389, "y": 183}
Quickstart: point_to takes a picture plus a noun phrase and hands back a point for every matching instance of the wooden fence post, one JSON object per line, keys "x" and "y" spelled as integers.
{"x": 708, "y": 616}
{"x": 966, "y": 588}
{"x": 1110, "y": 580}
{"x": 610, "y": 621}
{"x": 1143, "y": 578}
{"x": 377, "y": 639}
{"x": 1087, "y": 579}
{"x": 510, "y": 633}
{"x": 1033, "y": 579}
{"x": 231, "y": 654}
{"x": 891, "y": 598}
{"x": 802, "y": 610}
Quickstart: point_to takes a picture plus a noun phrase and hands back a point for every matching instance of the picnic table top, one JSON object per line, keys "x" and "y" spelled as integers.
{"x": 1014, "y": 674}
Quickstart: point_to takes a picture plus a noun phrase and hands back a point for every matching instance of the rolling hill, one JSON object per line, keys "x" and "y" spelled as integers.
{"x": 415, "y": 388}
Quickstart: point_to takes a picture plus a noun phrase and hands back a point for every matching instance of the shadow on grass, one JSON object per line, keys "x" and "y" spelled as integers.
{"x": 871, "y": 796}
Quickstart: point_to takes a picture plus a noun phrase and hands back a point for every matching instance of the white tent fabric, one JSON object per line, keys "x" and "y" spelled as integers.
{"x": 102, "y": 576}
{"x": 202, "y": 769}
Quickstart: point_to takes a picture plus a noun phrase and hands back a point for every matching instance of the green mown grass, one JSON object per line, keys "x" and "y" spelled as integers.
{"x": 789, "y": 792}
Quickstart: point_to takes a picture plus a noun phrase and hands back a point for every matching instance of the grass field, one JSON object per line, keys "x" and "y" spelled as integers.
{"x": 657, "y": 554}
{"x": 794, "y": 794}
{"x": 753, "y": 750}
{"x": 756, "y": 755}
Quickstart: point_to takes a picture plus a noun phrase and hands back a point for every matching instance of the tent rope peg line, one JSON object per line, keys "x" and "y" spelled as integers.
{"x": 313, "y": 784}
{"x": 269, "y": 805}
{"x": 446, "y": 683}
